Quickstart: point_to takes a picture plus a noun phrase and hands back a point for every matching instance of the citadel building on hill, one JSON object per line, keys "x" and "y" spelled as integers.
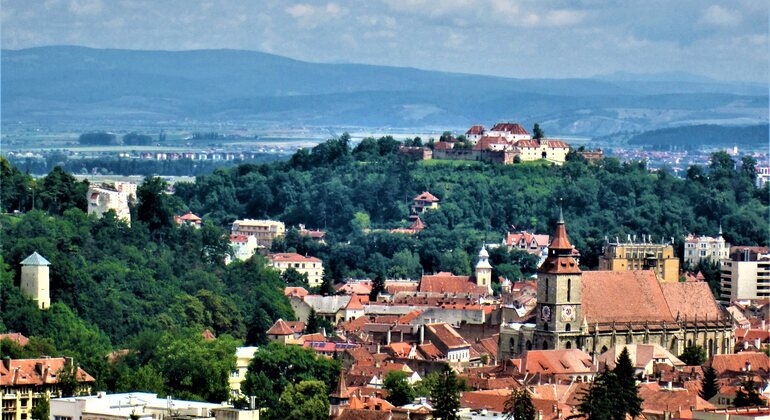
{"x": 597, "y": 310}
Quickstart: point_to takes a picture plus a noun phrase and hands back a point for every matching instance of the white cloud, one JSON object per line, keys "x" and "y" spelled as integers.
{"x": 85, "y": 7}
{"x": 719, "y": 16}
{"x": 311, "y": 16}
{"x": 563, "y": 17}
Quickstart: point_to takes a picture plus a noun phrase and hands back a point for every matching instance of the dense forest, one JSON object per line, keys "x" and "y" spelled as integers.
{"x": 154, "y": 287}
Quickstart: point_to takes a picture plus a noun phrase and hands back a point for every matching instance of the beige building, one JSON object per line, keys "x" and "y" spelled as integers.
{"x": 596, "y": 310}
{"x": 311, "y": 266}
{"x": 265, "y": 231}
{"x": 746, "y": 274}
{"x": 641, "y": 256}
{"x": 705, "y": 248}
{"x": 424, "y": 201}
{"x": 35, "y": 280}
{"x": 25, "y": 382}
{"x": 104, "y": 198}
{"x": 243, "y": 356}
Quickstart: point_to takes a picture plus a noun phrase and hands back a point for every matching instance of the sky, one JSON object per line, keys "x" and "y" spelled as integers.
{"x": 725, "y": 40}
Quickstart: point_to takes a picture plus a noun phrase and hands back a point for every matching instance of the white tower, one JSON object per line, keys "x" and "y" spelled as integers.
{"x": 35, "y": 280}
{"x": 484, "y": 270}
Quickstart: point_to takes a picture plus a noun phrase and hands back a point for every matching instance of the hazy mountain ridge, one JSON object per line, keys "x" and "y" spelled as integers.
{"x": 71, "y": 84}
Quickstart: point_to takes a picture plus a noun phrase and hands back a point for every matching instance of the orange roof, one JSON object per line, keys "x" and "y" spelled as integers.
{"x": 291, "y": 257}
{"x": 295, "y": 291}
{"x": 17, "y": 338}
{"x": 447, "y": 335}
{"x": 556, "y": 144}
{"x": 657, "y": 399}
{"x": 315, "y": 338}
{"x": 400, "y": 349}
{"x": 208, "y": 335}
{"x": 531, "y": 144}
{"x": 356, "y": 302}
{"x": 280, "y": 328}
{"x": 239, "y": 238}
{"x": 691, "y": 300}
{"x": 430, "y": 351}
{"x": 426, "y": 196}
{"x": 624, "y": 296}
{"x": 513, "y": 128}
{"x": 296, "y": 326}
{"x": 36, "y": 372}
{"x": 190, "y": 217}
{"x": 492, "y": 400}
{"x": 449, "y": 283}
{"x": 476, "y": 129}
{"x": 417, "y": 225}
{"x": 737, "y": 363}
{"x": 558, "y": 362}
{"x": 411, "y": 316}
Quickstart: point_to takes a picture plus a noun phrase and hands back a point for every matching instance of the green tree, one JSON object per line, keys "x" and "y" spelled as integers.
{"x": 709, "y": 383}
{"x": 68, "y": 379}
{"x": 305, "y": 400}
{"x": 599, "y": 401}
{"x": 519, "y": 405}
{"x": 628, "y": 392}
{"x": 748, "y": 395}
{"x": 154, "y": 208}
{"x": 445, "y": 395}
{"x": 537, "y": 132}
{"x": 400, "y": 390}
{"x": 292, "y": 277}
{"x": 312, "y": 322}
{"x": 41, "y": 410}
{"x": 693, "y": 355}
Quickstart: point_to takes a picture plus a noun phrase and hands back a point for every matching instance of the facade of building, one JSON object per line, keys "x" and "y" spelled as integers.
{"x": 265, "y": 231}
{"x": 311, "y": 266}
{"x": 243, "y": 356}
{"x": 130, "y": 406}
{"x": 596, "y": 310}
{"x": 243, "y": 247}
{"x": 35, "y": 280}
{"x": 424, "y": 202}
{"x": 619, "y": 256}
{"x": 705, "y": 248}
{"x": 551, "y": 150}
{"x": 189, "y": 219}
{"x": 510, "y": 131}
{"x": 25, "y": 382}
{"x": 746, "y": 274}
{"x": 102, "y": 199}
{"x": 475, "y": 133}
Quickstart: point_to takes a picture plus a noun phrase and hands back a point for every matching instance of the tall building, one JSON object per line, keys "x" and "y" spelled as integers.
{"x": 746, "y": 274}
{"x": 596, "y": 310}
{"x": 264, "y": 230}
{"x": 641, "y": 256}
{"x": 35, "y": 280}
{"x": 484, "y": 271}
{"x": 311, "y": 266}
{"x": 25, "y": 382}
{"x": 103, "y": 198}
{"x": 705, "y": 248}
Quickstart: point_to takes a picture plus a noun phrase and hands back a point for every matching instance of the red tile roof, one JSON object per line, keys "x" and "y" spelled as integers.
{"x": 280, "y": 327}
{"x": 476, "y": 129}
{"x": 190, "y": 217}
{"x": 295, "y": 291}
{"x": 491, "y": 400}
{"x": 443, "y": 145}
{"x": 691, "y": 300}
{"x": 17, "y": 338}
{"x": 430, "y": 352}
{"x": 449, "y": 283}
{"x": 36, "y": 372}
{"x": 556, "y": 144}
{"x": 512, "y": 128}
{"x": 291, "y": 257}
{"x": 239, "y": 238}
{"x": 528, "y": 144}
{"x": 486, "y": 142}
{"x": 623, "y": 296}
{"x": 411, "y": 316}
{"x": 296, "y": 326}
{"x": 558, "y": 362}
{"x": 659, "y": 400}
{"x": 447, "y": 335}
{"x": 737, "y": 363}
{"x": 208, "y": 335}
{"x": 426, "y": 196}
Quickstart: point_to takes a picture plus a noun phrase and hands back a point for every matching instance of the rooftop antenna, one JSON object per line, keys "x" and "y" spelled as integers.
{"x": 561, "y": 211}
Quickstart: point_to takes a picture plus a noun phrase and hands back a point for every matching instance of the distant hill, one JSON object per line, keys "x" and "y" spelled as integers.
{"x": 71, "y": 85}
{"x": 704, "y": 135}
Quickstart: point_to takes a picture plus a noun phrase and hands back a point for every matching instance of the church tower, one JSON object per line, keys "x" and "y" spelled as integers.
{"x": 484, "y": 270}
{"x": 35, "y": 280}
{"x": 559, "y": 313}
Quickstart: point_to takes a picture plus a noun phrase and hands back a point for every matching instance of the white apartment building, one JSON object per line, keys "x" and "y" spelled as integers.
{"x": 265, "y": 231}
{"x": 128, "y": 406}
{"x": 243, "y": 247}
{"x": 705, "y": 248}
{"x": 746, "y": 274}
{"x": 102, "y": 199}
{"x": 311, "y": 266}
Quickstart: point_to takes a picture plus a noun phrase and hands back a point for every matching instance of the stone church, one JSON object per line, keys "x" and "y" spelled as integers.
{"x": 596, "y": 310}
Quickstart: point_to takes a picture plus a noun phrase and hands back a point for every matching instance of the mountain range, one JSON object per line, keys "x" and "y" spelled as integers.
{"x": 72, "y": 86}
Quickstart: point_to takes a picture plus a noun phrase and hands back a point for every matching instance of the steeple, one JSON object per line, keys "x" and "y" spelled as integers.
{"x": 484, "y": 270}
{"x": 560, "y": 250}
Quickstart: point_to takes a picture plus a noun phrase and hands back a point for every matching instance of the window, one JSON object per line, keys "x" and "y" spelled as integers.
{"x": 567, "y": 327}
{"x": 569, "y": 290}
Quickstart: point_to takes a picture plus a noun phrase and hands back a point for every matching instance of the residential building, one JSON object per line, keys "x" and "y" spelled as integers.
{"x": 264, "y": 230}
{"x": 571, "y": 364}
{"x": 746, "y": 274}
{"x": 532, "y": 243}
{"x": 644, "y": 357}
{"x": 705, "y": 248}
{"x": 632, "y": 255}
{"x": 475, "y": 133}
{"x": 595, "y": 310}
{"x": 129, "y": 406}
{"x": 287, "y": 332}
{"x": 314, "y": 234}
{"x": 25, "y": 382}
{"x": 510, "y": 131}
{"x": 311, "y": 266}
{"x": 423, "y": 202}
{"x": 189, "y": 219}
{"x": 35, "y": 280}
{"x": 243, "y": 356}
{"x": 243, "y": 247}
{"x": 103, "y": 198}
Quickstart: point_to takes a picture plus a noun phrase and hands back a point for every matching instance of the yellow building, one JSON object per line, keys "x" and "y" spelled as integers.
{"x": 243, "y": 356}
{"x": 641, "y": 256}
{"x": 311, "y": 266}
{"x": 264, "y": 230}
{"x": 25, "y": 382}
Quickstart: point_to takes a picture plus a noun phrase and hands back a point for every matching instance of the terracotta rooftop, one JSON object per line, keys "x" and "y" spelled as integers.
{"x": 208, "y": 335}
{"x": 641, "y": 355}
{"x": 43, "y": 371}
{"x": 17, "y": 338}
{"x": 661, "y": 400}
{"x": 426, "y": 196}
{"x": 513, "y": 128}
{"x": 447, "y": 335}
{"x": 449, "y": 283}
{"x": 291, "y": 257}
{"x": 558, "y": 362}
{"x": 556, "y": 144}
{"x": 738, "y": 362}
{"x": 280, "y": 327}
{"x": 491, "y": 400}
{"x": 623, "y": 296}
{"x": 430, "y": 352}
{"x": 476, "y": 129}
{"x": 691, "y": 300}
{"x": 295, "y": 291}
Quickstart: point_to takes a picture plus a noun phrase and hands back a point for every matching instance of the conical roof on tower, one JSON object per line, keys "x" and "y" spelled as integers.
{"x": 560, "y": 258}
{"x": 35, "y": 259}
{"x": 342, "y": 387}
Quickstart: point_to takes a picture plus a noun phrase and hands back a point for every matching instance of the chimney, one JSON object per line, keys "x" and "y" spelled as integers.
{"x": 748, "y": 366}
{"x": 7, "y": 362}
{"x": 756, "y": 343}
{"x": 422, "y": 334}
{"x": 387, "y": 337}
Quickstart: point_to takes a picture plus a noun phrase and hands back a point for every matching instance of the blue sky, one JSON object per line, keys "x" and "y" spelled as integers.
{"x": 517, "y": 38}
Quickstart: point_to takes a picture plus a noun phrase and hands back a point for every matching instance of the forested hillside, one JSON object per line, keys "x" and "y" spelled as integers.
{"x": 154, "y": 287}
